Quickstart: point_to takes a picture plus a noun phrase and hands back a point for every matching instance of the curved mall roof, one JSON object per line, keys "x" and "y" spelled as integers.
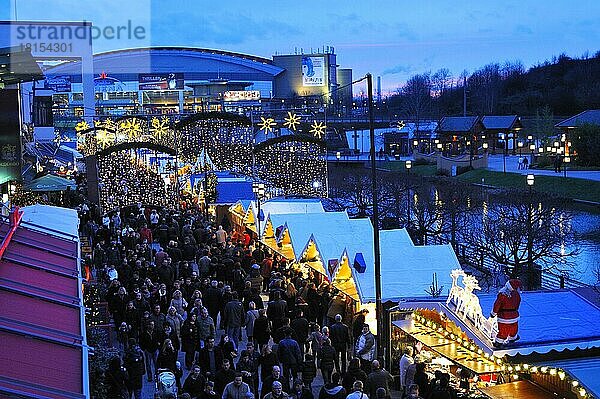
{"x": 194, "y": 63}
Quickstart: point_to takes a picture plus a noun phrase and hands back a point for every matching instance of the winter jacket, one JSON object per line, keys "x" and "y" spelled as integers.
{"x": 352, "y": 375}
{"x": 332, "y": 391}
{"x": 262, "y": 330}
{"x": 134, "y": 363}
{"x": 379, "y": 379}
{"x": 256, "y": 280}
{"x": 189, "y": 336}
{"x": 327, "y": 356}
{"x": 288, "y": 352}
{"x": 206, "y": 327}
{"x": 339, "y": 334}
{"x": 251, "y": 317}
{"x": 365, "y": 346}
{"x": 232, "y": 391}
{"x": 309, "y": 371}
{"x": 233, "y": 314}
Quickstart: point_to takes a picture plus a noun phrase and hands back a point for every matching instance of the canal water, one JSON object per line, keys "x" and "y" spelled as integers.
{"x": 586, "y": 225}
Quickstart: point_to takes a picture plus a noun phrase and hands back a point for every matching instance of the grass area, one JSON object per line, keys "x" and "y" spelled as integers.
{"x": 581, "y": 189}
{"x": 398, "y": 166}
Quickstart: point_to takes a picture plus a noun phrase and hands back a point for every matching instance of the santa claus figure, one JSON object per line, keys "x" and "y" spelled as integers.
{"x": 506, "y": 308}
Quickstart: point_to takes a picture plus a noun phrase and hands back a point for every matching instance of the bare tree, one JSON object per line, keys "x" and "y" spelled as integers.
{"x": 417, "y": 97}
{"x": 457, "y": 201}
{"x": 527, "y": 235}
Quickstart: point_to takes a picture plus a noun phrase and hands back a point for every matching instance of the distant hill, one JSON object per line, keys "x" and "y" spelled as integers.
{"x": 565, "y": 85}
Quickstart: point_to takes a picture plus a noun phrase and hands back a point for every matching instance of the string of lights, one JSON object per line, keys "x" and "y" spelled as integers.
{"x": 515, "y": 371}
{"x": 125, "y": 179}
{"x": 294, "y": 164}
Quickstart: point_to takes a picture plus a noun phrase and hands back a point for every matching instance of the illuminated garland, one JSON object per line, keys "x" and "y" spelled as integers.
{"x": 227, "y": 139}
{"x": 294, "y": 164}
{"x": 127, "y": 180}
{"x": 513, "y": 369}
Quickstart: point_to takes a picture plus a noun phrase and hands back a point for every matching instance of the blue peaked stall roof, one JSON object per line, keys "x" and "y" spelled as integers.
{"x": 229, "y": 192}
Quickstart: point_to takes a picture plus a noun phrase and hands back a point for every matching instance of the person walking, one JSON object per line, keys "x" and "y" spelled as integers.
{"x": 234, "y": 318}
{"x": 190, "y": 339}
{"x": 236, "y": 389}
{"x": 326, "y": 359}
{"x": 379, "y": 378}
{"x": 357, "y": 391}
{"x": 290, "y": 356}
{"x": 365, "y": 348}
{"x": 134, "y": 364}
{"x": 405, "y": 362}
{"x": 339, "y": 333}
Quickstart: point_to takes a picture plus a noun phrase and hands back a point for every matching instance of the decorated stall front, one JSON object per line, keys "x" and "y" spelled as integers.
{"x": 276, "y": 206}
{"x": 516, "y": 349}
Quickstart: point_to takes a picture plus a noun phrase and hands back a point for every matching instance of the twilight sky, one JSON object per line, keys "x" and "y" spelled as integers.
{"x": 393, "y": 39}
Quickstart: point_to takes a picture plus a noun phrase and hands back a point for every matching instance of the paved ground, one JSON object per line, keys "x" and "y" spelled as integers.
{"x": 496, "y": 163}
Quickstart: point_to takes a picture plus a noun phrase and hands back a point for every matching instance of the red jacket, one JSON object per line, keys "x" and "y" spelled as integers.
{"x": 507, "y": 307}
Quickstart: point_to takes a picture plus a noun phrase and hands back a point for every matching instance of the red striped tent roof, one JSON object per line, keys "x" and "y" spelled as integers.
{"x": 43, "y": 350}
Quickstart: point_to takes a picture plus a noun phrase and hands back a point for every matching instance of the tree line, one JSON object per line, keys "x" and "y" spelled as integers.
{"x": 565, "y": 85}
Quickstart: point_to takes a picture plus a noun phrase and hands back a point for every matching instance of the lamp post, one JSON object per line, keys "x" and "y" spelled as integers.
{"x": 530, "y": 182}
{"x": 408, "y": 166}
{"x": 338, "y": 155}
{"x": 520, "y": 145}
{"x": 567, "y": 160}
{"x": 532, "y": 148}
{"x": 376, "y": 244}
{"x": 259, "y": 191}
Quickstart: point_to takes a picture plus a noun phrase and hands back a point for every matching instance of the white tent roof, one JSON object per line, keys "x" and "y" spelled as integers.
{"x": 302, "y": 226}
{"x": 286, "y": 206}
{"x": 335, "y": 240}
{"x": 62, "y": 220}
{"x": 406, "y": 270}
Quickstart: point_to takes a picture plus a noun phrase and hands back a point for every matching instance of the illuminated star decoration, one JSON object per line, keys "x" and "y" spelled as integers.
{"x": 159, "y": 127}
{"x": 267, "y": 124}
{"x": 131, "y": 127}
{"x": 81, "y": 126}
{"x": 318, "y": 129}
{"x": 292, "y": 121}
{"x": 400, "y": 125}
{"x": 104, "y": 138}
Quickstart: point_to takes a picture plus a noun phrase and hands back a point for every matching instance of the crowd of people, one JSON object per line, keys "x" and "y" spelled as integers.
{"x": 228, "y": 318}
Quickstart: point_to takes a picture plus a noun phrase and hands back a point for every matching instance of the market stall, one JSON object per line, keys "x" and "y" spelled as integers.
{"x": 553, "y": 326}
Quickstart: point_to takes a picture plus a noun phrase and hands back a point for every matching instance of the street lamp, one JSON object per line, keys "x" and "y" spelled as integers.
{"x": 530, "y": 182}
{"x": 338, "y": 156}
{"x": 532, "y": 148}
{"x": 485, "y": 146}
{"x": 408, "y": 166}
{"x": 520, "y": 145}
{"x": 259, "y": 191}
{"x": 567, "y": 159}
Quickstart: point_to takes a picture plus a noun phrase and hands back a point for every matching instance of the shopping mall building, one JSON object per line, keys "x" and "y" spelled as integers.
{"x": 178, "y": 80}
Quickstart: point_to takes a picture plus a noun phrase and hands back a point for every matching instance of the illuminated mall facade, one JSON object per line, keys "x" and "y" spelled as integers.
{"x": 176, "y": 80}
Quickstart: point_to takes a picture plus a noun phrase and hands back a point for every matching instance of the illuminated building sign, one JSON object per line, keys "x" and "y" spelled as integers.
{"x": 58, "y": 83}
{"x": 161, "y": 81}
{"x": 313, "y": 71}
{"x": 241, "y": 95}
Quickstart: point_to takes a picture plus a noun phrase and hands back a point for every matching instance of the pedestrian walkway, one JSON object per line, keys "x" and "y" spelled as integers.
{"x": 497, "y": 162}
